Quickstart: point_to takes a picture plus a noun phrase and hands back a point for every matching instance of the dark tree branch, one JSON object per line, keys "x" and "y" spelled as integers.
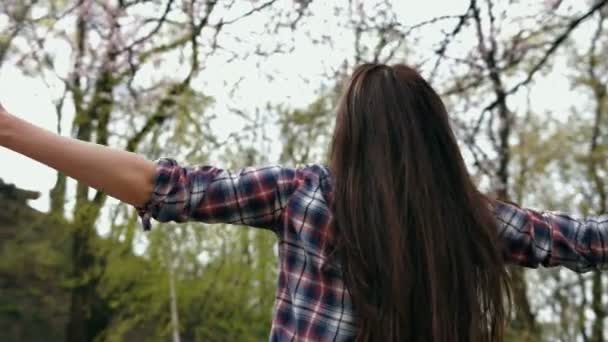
{"x": 169, "y": 100}
{"x": 448, "y": 38}
{"x": 554, "y": 46}
{"x": 159, "y": 24}
{"x": 250, "y": 12}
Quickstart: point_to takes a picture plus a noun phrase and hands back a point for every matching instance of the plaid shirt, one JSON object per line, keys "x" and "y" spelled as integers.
{"x": 312, "y": 303}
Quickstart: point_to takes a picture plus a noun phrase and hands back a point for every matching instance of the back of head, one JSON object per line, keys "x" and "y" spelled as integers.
{"x": 417, "y": 241}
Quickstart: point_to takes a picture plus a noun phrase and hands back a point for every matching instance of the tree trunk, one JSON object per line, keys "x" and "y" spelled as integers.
{"x": 173, "y": 301}
{"x": 84, "y": 323}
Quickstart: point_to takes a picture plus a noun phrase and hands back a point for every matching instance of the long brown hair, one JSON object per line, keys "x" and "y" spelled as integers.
{"x": 416, "y": 240}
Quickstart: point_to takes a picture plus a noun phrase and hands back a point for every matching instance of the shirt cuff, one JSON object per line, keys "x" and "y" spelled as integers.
{"x": 166, "y": 174}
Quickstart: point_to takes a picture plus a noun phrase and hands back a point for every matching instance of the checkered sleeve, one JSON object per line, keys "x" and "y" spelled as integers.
{"x": 532, "y": 238}
{"x": 250, "y": 196}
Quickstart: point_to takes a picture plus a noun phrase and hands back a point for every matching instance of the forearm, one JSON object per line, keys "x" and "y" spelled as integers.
{"x": 532, "y": 238}
{"x": 123, "y": 175}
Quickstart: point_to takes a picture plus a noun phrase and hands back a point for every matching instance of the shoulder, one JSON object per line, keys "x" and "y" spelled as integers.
{"x": 319, "y": 171}
{"x": 314, "y": 181}
{"x": 314, "y": 174}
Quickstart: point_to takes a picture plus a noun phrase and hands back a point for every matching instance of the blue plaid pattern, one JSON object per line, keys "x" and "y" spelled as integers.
{"x": 312, "y": 303}
{"x": 531, "y": 238}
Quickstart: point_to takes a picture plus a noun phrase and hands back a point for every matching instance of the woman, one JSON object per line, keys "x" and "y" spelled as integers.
{"x": 390, "y": 242}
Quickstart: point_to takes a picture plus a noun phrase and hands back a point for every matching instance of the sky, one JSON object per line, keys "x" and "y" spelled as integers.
{"x": 31, "y": 99}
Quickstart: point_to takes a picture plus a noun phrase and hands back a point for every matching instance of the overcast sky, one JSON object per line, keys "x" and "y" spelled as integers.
{"x": 31, "y": 99}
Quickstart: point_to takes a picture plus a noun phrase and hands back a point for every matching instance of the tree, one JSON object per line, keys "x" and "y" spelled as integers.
{"x": 133, "y": 75}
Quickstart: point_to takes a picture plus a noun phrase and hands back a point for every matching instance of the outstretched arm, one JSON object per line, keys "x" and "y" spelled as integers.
{"x": 531, "y": 238}
{"x": 123, "y": 175}
{"x": 163, "y": 190}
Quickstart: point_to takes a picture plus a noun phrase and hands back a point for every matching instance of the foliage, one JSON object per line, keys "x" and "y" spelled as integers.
{"x": 138, "y": 75}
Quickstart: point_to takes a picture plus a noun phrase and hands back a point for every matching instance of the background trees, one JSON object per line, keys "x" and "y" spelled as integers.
{"x": 251, "y": 82}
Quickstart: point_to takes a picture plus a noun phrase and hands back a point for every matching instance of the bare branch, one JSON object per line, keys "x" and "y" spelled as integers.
{"x": 446, "y": 41}
{"x": 250, "y": 12}
{"x": 554, "y": 46}
{"x": 154, "y": 31}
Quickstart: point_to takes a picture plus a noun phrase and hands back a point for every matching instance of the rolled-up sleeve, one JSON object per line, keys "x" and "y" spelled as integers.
{"x": 532, "y": 238}
{"x": 253, "y": 196}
